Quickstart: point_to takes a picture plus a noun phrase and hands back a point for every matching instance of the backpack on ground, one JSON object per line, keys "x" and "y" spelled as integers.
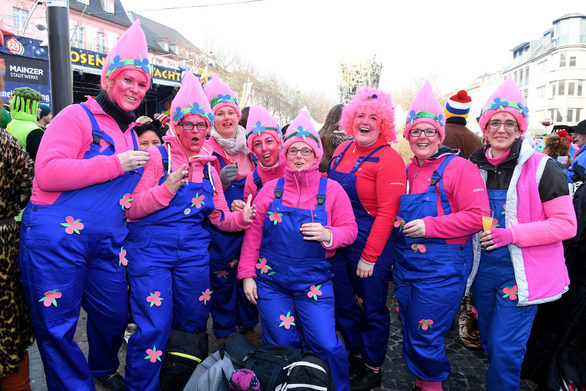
{"x": 238, "y": 347}
{"x": 268, "y": 363}
{"x": 212, "y": 374}
{"x": 184, "y": 351}
{"x": 307, "y": 373}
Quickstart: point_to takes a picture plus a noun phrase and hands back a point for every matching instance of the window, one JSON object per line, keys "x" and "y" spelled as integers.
{"x": 164, "y": 45}
{"x": 555, "y": 115}
{"x": 18, "y": 18}
{"x": 521, "y": 78}
{"x": 77, "y": 37}
{"x": 579, "y": 90}
{"x": 552, "y": 90}
{"x": 108, "y": 6}
{"x": 562, "y": 88}
{"x": 571, "y": 88}
{"x": 515, "y": 78}
{"x": 542, "y": 66}
{"x": 562, "y": 60}
{"x": 572, "y": 61}
{"x": 573, "y": 115}
{"x": 541, "y": 92}
{"x": 563, "y": 31}
{"x": 526, "y": 75}
{"x": 582, "y": 30}
{"x": 101, "y": 42}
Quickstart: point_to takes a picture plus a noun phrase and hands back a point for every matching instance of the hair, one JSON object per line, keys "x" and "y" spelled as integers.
{"x": 329, "y": 139}
{"x": 154, "y": 126}
{"x": 374, "y": 101}
{"x": 555, "y": 146}
{"x": 244, "y": 117}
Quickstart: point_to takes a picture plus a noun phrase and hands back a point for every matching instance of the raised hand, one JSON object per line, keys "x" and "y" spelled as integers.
{"x": 131, "y": 160}
{"x": 175, "y": 179}
{"x": 248, "y": 212}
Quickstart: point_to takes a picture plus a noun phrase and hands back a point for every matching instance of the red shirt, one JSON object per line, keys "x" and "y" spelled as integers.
{"x": 379, "y": 186}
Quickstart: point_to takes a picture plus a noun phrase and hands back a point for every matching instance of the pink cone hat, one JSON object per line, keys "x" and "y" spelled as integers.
{"x": 302, "y": 129}
{"x": 425, "y": 108}
{"x": 219, "y": 95}
{"x": 130, "y": 52}
{"x": 190, "y": 99}
{"x": 260, "y": 121}
{"x": 509, "y": 98}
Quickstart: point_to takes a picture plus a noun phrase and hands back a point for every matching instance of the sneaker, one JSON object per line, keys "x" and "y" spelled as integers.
{"x": 355, "y": 365}
{"x": 113, "y": 381}
{"x": 366, "y": 380}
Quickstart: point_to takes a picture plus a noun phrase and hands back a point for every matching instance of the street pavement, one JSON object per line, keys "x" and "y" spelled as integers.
{"x": 468, "y": 367}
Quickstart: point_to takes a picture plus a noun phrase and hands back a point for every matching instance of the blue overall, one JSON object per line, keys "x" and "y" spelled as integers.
{"x": 69, "y": 258}
{"x": 294, "y": 285}
{"x": 229, "y": 307}
{"x": 430, "y": 279}
{"x": 362, "y": 315}
{"x": 168, "y": 271}
{"x": 504, "y": 327}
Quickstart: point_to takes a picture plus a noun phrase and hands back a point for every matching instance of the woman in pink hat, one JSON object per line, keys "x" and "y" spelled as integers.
{"x": 265, "y": 140}
{"x": 373, "y": 175}
{"x": 167, "y": 246}
{"x": 433, "y": 243}
{"x": 521, "y": 263}
{"x": 228, "y": 142}
{"x": 72, "y": 230}
{"x": 302, "y": 218}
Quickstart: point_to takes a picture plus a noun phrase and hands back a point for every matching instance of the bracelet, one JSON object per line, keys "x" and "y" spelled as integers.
{"x": 368, "y": 263}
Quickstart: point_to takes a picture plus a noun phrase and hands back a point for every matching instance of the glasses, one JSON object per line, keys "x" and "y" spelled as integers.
{"x": 191, "y": 125}
{"x": 496, "y": 124}
{"x": 429, "y": 132}
{"x": 295, "y": 151}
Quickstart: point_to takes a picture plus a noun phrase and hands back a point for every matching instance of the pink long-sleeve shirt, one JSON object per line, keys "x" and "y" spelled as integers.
{"x": 300, "y": 191}
{"x": 243, "y": 160}
{"x": 466, "y": 193}
{"x": 60, "y": 165}
{"x": 149, "y": 196}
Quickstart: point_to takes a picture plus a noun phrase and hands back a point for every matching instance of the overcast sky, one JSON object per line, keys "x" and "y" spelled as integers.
{"x": 303, "y": 40}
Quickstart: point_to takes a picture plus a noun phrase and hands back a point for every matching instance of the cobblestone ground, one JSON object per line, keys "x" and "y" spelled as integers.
{"x": 468, "y": 367}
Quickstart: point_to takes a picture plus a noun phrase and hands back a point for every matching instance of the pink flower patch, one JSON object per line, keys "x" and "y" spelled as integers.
{"x": 233, "y": 263}
{"x": 154, "y": 299}
{"x": 222, "y": 274}
{"x": 51, "y": 298}
{"x": 397, "y": 308}
{"x": 197, "y": 201}
{"x": 275, "y": 217}
{"x": 399, "y": 223}
{"x": 263, "y": 267}
{"x": 504, "y": 209}
{"x": 206, "y": 296}
{"x": 153, "y": 355}
{"x": 314, "y": 292}
{"x": 425, "y": 324}
{"x": 287, "y": 320}
{"x": 510, "y": 292}
{"x": 125, "y": 201}
{"x": 122, "y": 257}
{"x": 72, "y": 225}
{"x": 419, "y": 247}
{"x": 472, "y": 309}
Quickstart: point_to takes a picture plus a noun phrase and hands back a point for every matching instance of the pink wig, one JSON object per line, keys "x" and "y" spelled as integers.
{"x": 370, "y": 101}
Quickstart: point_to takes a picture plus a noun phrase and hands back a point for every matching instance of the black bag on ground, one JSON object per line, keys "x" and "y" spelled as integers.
{"x": 307, "y": 373}
{"x": 184, "y": 351}
{"x": 268, "y": 363}
{"x": 238, "y": 347}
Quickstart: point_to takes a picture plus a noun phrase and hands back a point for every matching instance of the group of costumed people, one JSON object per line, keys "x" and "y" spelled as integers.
{"x": 183, "y": 222}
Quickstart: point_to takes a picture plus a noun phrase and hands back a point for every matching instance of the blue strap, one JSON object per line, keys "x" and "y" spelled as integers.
{"x": 437, "y": 177}
{"x": 366, "y": 158}
{"x": 279, "y": 188}
{"x": 321, "y": 192}
{"x": 97, "y": 133}
{"x": 164, "y": 157}
{"x": 338, "y": 158}
{"x": 257, "y": 180}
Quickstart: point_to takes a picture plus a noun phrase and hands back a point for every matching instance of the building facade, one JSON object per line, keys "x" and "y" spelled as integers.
{"x": 551, "y": 73}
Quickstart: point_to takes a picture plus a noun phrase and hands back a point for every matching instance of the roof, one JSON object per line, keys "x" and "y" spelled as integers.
{"x": 570, "y": 15}
{"x": 155, "y": 31}
{"x": 96, "y": 9}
